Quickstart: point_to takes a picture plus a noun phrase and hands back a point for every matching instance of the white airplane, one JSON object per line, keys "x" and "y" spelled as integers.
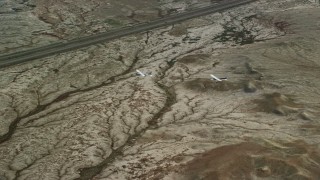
{"x": 216, "y": 78}
{"x": 142, "y": 74}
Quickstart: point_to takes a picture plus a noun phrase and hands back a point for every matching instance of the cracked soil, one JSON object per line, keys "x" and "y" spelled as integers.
{"x": 85, "y": 114}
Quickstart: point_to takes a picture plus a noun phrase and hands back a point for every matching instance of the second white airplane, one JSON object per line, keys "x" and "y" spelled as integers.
{"x": 139, "y": 73}
{"x": 218, "y": 79}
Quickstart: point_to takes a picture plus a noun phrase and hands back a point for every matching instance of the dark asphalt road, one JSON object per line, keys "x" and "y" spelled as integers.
{"x": 60, "y": 47}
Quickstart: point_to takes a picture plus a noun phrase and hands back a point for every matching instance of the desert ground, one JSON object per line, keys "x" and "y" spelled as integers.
{"x": 85, "y": 114}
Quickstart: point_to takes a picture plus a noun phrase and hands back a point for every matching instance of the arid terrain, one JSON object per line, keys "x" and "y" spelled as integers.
{"x": 85, "y": 114}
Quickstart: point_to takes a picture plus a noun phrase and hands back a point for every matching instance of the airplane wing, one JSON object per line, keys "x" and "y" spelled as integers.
{"x": 215, "y": 77}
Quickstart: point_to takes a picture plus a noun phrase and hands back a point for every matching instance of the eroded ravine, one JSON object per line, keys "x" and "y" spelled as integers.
{"x": 90, "y": 172}
{"x": 146, "y": 127}
{"x": 64, "y": 96}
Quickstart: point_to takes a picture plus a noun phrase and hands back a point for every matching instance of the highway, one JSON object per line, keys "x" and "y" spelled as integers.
{"x": 72, "y": 44}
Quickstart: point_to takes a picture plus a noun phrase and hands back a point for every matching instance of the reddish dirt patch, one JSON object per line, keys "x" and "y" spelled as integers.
{"x": 276, "y": 103}
{"x": 218, "y": 163}
{"x": 296, "y": 160}
{"x": 248, "y": 160}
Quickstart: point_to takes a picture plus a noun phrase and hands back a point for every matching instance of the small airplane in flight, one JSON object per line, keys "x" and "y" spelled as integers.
{"x": 218, "y": 79}
{"x": 139, "y": 73}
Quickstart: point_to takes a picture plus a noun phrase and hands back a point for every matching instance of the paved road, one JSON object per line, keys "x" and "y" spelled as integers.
{"x": 60, "y": 47}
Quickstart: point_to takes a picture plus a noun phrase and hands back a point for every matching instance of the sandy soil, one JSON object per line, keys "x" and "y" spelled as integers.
{"x": 86, "y": 114}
